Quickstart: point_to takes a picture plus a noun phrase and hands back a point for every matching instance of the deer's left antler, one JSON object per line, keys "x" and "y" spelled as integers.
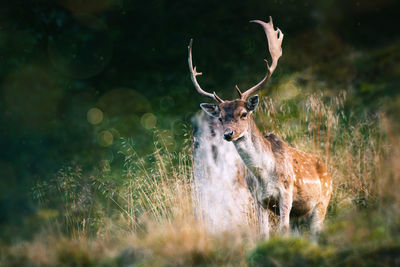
{"x": 275, "y": 38}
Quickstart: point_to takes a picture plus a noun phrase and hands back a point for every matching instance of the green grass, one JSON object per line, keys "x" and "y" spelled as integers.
{"x": 138, "y": 210}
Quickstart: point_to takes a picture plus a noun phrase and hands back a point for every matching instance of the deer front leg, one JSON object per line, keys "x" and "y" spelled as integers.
{"x": 263, "y": 223}
{"x": 317, "y": 219}
{"x": 285, "y": 206}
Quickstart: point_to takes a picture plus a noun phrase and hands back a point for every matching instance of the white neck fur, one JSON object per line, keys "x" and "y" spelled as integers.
{"x": 254, "y": 152}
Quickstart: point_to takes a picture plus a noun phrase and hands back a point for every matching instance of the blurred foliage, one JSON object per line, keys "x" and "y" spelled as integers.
{"x": 299, "y": 252}
{"x": 142, "y": 211}
{"x": 76, "y": 76}
{"x": 289, "y": 252}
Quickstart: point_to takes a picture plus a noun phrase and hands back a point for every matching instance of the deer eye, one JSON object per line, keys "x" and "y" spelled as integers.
{"x": 244, "y": 114}
{"x": 220, "y": 119}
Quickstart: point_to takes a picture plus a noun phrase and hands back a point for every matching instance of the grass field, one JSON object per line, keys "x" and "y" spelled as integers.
{"x": 139, "y": 212}
{"x": 97, "y": 109}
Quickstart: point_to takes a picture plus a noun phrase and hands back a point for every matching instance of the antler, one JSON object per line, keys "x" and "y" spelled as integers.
{"x": 194, "y": 73}
{"x": 275, "y": 39}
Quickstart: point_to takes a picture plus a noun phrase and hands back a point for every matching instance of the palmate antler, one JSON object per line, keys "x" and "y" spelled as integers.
{"x": 275, "y": 38}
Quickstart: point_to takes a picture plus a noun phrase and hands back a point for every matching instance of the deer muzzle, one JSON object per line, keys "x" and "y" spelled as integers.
{"x": 228, "y": 135}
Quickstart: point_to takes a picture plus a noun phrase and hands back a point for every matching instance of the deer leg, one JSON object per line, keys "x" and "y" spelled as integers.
{"x": 317, "y": 219}
{"x": 263, "y": 223}
{"x": 295, "y": 226}
{"x": 285, "y": 205}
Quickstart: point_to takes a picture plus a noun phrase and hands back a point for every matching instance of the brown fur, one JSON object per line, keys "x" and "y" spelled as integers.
{"x": 297, "y": 182}
{"x": 306, "y": 167}
{"x": 230, "y": 115}
{"x": 291, "y": 183}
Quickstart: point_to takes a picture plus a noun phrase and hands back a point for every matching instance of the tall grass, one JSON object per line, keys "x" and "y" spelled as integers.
{"x": 145, "y": 212}
{"x": 353, "y": 147}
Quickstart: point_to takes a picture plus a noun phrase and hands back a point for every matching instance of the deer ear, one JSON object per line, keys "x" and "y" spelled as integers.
{"x": 211, "y": 109}
{"x": 252, "y": 102}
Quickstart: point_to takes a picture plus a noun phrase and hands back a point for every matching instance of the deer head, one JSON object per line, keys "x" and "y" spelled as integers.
{"x": 236, "y": 114}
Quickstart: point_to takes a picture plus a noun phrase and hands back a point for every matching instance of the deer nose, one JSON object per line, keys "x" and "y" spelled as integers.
{"x": 228, "y": 135}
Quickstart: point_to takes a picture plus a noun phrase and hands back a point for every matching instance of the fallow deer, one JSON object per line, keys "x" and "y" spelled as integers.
{"x": 294, "y": 182}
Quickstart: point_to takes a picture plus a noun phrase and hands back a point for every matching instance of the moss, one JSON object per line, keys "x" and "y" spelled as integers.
{"x": 383, "y": 255}
{"x": 75, "y": 255}
{"x": 289, "y": 252}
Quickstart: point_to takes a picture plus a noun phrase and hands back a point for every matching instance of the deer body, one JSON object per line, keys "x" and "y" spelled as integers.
{"x": 291, "y": 183}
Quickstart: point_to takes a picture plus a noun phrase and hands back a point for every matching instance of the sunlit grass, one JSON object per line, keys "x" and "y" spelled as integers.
{"x": 142, "y": 212}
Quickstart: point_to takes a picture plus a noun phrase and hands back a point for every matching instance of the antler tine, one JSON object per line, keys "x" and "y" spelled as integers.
{"x": 194, "y": 73}
{"x": 275, "y": 38}
{"x": 217, "y": 98}
{"x": 239, "y": 92}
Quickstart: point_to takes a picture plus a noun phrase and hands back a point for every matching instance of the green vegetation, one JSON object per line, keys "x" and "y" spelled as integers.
{"x": 96, "y": 103}
{"x": 143, "y": 214}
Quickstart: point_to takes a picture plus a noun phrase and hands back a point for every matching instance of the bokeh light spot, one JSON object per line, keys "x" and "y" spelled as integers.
{"x": 287, "y": 90}
{"x": 148, "y": 121}
{"x": 129, "y": 102}
{"x": 178, "y": 127}
{"x": 105, "y": 138}
{"x": 167, "y": 103}
{"x": 94, "y": 116}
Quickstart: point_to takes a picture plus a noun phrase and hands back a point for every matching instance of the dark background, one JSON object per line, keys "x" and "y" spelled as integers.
{"x": 128, "y": 59}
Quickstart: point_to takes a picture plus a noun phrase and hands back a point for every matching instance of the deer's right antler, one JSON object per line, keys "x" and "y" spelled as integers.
{"x": 275, "y": 39}
{"x": 194, "y": 73}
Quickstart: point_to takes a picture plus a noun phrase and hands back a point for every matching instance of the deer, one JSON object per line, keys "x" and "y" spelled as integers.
{"x": 293, "y": 184}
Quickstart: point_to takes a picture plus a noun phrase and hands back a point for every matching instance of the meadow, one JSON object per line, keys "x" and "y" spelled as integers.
{"x": 96, "y": 115}
{"x": 147, "y": 217}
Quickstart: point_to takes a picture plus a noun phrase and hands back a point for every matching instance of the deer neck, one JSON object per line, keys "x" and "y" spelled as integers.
{"x": 256, "y": 152}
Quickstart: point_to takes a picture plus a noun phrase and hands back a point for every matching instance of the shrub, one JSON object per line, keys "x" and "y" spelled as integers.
{"x": 289, "y": 252}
